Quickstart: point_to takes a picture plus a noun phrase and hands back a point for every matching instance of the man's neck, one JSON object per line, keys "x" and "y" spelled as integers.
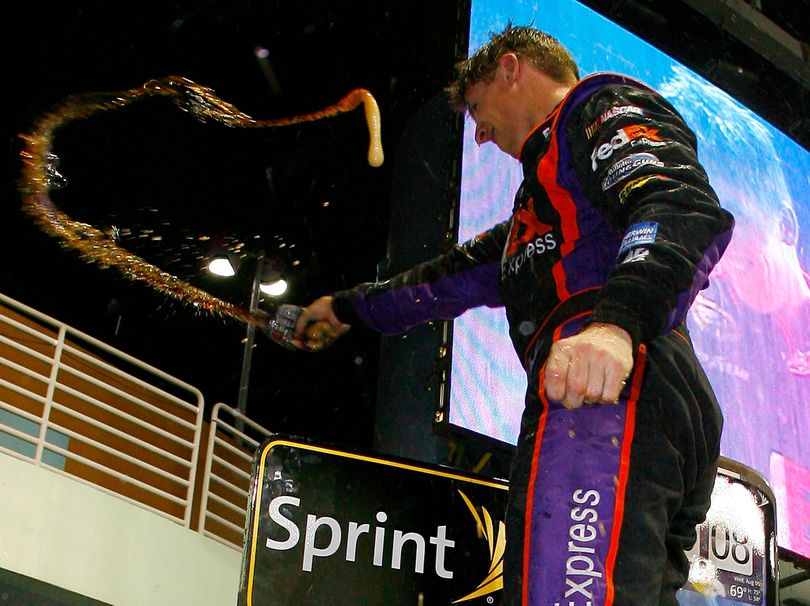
{"x": 548, "y": 96}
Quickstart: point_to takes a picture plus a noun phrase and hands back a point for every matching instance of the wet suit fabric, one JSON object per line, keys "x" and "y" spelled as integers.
{"x": 614, "y": 222}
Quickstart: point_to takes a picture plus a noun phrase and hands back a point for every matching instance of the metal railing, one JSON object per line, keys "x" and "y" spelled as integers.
{"x": 89, "y": 411}
{"x": 226, "y": 480}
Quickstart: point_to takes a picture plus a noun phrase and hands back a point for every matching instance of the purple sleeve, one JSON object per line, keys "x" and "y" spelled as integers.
{"x": 466, "y": 276}
{"x": 637, "y": 160}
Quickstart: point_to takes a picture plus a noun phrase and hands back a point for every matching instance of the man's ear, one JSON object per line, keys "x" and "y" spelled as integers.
{"x": 788, "y": 225}
{"x": 509, "y": 66}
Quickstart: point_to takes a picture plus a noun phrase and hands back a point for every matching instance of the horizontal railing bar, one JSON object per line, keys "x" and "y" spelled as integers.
{"x": 228, "y": 505}
{"x": 123, "y": 497}
{"x": 116, "y": 474}
{"x": 23, "y": 371}
{"x": 231, "y": 466}
{"x": 124, "y": 436}
{"x": 123, "y": 394}
{"x": 26, "y": 437}
{"x": 33, "y": 332}
{"x": 225, "y": 484}
{"x": 139, "y": 382}
{"x": 20, "y": 412}
{"x": 124, "y": 415}
{"x": 122, "y": 455}
{"x": 231, "y": 448}
{"x": 8, "y": 301}
{"x": 25, "y": 349}
{"x": 235, "y": 414}
{"x": 236, "y": 433}
{"x": 224, "y": 522}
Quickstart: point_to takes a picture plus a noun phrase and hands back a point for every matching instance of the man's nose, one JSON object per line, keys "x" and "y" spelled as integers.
{"x": 483, "y": 133}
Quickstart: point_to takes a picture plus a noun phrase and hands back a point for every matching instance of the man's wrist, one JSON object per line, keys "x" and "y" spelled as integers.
{"x": 612, "y": 329}
{"x": 343, "y": 306}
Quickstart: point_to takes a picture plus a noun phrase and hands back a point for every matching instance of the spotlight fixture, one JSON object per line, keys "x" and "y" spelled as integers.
{"x": 222, "y": 265}
{"x": 274, "y": 289}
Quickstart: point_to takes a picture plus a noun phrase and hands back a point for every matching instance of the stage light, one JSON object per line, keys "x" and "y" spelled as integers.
{"x": 221, "y": 265}
{"x": 275, "y": 288}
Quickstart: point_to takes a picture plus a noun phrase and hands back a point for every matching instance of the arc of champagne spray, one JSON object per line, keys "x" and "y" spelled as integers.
{"x": 40, "y": 174}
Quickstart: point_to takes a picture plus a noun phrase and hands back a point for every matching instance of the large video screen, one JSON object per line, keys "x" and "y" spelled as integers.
{"x": 751, "y": 328}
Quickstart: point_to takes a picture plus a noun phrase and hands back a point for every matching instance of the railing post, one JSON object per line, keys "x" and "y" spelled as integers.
{"x": 209, "y": 455}
{"x": 46, "y": 407}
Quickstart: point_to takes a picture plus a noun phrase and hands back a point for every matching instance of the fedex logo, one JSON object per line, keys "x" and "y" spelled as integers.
{"x": 528, "y": 232}
{"x": 634, "y": 134}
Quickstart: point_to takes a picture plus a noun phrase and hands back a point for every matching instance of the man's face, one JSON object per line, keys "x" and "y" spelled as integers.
{"x": 495, "y": 109}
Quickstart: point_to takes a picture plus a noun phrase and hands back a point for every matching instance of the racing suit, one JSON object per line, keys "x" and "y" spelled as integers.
{"x": 614, "y": 222}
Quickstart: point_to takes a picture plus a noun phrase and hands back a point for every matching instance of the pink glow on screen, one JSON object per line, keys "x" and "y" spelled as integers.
{"x": 751, "y": 327}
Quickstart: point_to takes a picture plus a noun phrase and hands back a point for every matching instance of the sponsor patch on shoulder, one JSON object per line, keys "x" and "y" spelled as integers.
{"x": 635, "y": 135}
{"x": 638, "y": 234}
{"x": 631, "y": 185}
{"x": 627, "y": 166}
{"x": 613, "y": 112}
{"x": 639, "y": 254}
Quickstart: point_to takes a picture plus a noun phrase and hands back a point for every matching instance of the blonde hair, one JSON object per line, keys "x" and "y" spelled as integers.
{"x": 543, "y": 51}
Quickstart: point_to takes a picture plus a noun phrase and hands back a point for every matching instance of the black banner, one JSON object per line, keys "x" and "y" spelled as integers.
{"x": 332, "y": 527}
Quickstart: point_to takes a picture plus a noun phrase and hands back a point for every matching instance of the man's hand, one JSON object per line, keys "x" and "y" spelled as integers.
{"x": 317, "y": 326}
{"x": 590, "y": 367}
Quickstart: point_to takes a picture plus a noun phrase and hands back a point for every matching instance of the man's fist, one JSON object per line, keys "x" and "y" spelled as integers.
{"x": 317, "y": 326}
{"x": 590, "y": 367}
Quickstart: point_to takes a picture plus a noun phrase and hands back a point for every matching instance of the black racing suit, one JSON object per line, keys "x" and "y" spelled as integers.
{"x": 614, "y": 222}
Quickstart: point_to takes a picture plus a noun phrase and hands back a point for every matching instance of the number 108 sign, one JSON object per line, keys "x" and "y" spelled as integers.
{"x": 730, "y": 550}
{"x": 729, "y": 557}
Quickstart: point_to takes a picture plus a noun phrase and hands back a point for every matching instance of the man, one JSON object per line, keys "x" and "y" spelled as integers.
{"x": 614, "y": 231}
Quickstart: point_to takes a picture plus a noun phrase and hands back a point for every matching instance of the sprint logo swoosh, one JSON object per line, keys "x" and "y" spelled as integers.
{"x": 497, "y": 544}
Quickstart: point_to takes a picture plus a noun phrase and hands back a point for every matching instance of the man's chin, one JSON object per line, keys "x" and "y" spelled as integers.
{"x": 509, "y": 151}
